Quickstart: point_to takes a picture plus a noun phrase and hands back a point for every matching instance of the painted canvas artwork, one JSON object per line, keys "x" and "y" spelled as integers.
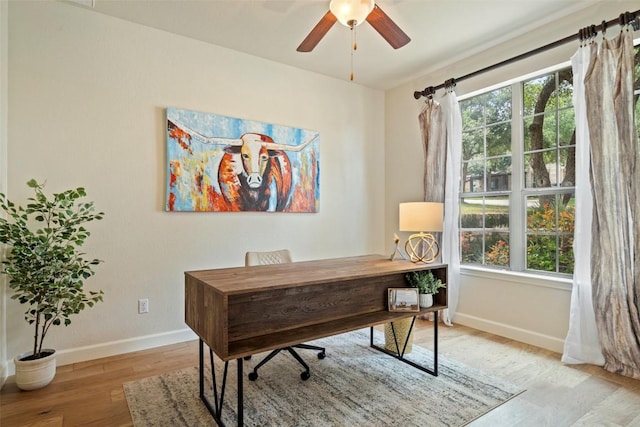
{"x": 226, "y": 164}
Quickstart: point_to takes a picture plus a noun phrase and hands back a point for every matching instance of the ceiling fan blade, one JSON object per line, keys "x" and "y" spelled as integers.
{"x": 318, "y": 32}
{"x": 388, "y": 29}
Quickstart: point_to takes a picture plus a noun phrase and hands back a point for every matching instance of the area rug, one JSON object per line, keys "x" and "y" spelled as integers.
{"x": 354, "y": 385}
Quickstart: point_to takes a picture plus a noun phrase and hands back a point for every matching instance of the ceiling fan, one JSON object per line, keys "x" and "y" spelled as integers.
{"x": 352, "y": 13}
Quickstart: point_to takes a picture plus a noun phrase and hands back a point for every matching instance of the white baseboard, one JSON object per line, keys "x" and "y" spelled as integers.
{"x": 523, "y": 335}
{"x": 97, "y": 351}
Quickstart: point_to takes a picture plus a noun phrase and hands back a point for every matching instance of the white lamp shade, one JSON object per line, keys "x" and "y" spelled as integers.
{"x": 421, "y": 216}
{"x": 351, "y": 10}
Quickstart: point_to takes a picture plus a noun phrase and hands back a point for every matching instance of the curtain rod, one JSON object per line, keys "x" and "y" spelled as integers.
{"x": 591, "y": 31}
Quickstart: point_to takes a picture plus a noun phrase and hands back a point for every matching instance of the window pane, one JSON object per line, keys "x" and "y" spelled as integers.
{"x": 472, "y": 212}
{"x": 499, "y": 173}
{"x": 541, "y": 169}
{"x": 473, "y": 175}
{"x": 532, "y": 91}
{"x": 498, "y": 105}
{"x": 471, "y": 245}
{"x": 484, "y": 212}
{"x": 567, "y": 170}
{"x": 472, "y": 144}
{"x": 565, "y": 254}
{"x": 496, "y": 211}
{"x": 567, "y": 126}
{"x": 472, "y": 112}
{"x": 540, "y": 132}
{"x": 497, "y": 249}
{"x": 499, "y": 139}
{"x": 541, "y": 214}
{"x": 550, "y": 227}
{"x": 549, "y": 131}
{"x": 565, "y": 89}
{"x": 485, "y": 230}
{"x": 541, "y": 253}
{"x": 527, "y": 134}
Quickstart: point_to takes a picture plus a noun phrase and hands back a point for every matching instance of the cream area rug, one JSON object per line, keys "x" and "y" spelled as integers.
{"x": 354, "y": 385}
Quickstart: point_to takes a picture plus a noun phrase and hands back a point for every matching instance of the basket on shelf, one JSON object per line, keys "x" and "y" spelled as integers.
{"x": 401, "y": 327}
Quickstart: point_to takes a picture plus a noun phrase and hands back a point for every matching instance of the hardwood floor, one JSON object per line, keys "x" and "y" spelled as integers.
{"x": 91, "y": 394}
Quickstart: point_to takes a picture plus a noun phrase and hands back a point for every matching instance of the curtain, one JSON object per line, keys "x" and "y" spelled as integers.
{"x": 615, "y": 225}
{"x": 451, "y": 231}
{"x": 441, "y": 127}
{"x": 581, "y": 344}
{"x": 615, "y": 180}
{"x": 434, "y": 139}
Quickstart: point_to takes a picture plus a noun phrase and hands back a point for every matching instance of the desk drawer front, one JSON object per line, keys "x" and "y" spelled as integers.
{"x": 282, "y": 309}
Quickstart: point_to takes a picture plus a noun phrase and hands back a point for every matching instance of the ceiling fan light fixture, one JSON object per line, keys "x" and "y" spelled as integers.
{"x": 351, "y": 12}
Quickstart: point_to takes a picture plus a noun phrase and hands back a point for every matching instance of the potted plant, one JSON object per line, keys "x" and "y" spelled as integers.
{"x": 427, "y": 285}
{"x": 46, "y": 270}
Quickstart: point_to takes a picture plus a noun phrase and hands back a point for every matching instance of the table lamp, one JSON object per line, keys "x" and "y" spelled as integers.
{"x": 425, "y": 218}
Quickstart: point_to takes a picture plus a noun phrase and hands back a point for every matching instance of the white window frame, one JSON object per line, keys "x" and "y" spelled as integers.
{"x": 518, "y": 193}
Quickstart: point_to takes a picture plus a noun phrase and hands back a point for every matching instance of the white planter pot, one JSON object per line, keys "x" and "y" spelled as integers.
{"x": 426, "y": 300}
{"x": 35, "y": 374}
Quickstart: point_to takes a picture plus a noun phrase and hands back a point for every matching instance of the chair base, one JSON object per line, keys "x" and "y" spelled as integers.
{"x": 305, "y": 374}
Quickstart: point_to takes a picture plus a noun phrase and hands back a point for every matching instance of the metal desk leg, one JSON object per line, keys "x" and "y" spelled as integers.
{"x": 435, "y": 343}
{"x": 215, "y": 409}
{"x": 240, "y": 395}
{"x": 400, "y": 354}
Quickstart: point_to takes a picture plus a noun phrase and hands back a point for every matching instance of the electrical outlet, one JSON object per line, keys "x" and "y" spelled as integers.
{"x": 143, "y": 306}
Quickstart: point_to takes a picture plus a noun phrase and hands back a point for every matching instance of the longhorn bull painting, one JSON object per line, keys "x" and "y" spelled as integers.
{"x": 222, "y": 164}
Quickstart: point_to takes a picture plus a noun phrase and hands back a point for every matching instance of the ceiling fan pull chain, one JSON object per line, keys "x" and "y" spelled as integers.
{"x": 355, "y": 47}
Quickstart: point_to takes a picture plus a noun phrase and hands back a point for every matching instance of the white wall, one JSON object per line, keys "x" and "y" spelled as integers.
{"x": 533, "y": 310}
{"x": 86, "y": 108}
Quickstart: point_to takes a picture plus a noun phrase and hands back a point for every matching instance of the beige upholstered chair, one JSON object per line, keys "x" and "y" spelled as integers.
{"x": 279, "y": 257}
{"x": 271, "y": 257}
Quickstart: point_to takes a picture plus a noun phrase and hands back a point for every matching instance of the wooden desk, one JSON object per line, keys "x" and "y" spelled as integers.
{"x": 242, "y": 311}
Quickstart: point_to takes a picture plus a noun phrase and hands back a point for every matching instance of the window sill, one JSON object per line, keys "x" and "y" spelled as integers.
{"x": 518, "y": 277}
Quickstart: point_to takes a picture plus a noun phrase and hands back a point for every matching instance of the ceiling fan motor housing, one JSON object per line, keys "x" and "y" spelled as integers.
{"x": 351, "y": 12}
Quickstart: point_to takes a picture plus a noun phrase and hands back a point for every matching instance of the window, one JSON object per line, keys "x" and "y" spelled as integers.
{"x": 549, "y": 169}
{"x": 517, "y": 203}
{"x": 487, "y": 178}
{"x": 518, "y": 169}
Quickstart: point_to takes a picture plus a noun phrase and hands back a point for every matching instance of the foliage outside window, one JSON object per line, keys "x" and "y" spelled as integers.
{"x": 486, "y": 170}
{"x": 517, "y": 202}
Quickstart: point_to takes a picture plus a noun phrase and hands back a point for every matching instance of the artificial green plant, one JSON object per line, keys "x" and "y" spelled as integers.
{"x": 425, "y": 281}
{"x": 44, "y": 264}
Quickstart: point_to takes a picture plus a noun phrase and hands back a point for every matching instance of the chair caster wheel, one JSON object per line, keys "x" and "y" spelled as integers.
{"x": 305, "y": 376}
{"x": 321, "y": 355}
{"x": 253, "y": 376}
{"x": 247, "y": 358}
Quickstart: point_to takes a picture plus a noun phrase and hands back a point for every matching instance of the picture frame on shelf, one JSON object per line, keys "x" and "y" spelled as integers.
{"x": 403, "y": 300}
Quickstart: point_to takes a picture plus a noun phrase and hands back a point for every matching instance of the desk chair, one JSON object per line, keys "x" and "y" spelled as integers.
{"x": 279, "y": 257}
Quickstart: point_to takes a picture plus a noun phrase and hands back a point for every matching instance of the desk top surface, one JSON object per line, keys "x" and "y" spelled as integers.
{"x": 237, "y": 280}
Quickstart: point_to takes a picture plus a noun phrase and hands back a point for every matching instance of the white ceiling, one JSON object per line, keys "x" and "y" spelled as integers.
{"x": 441, "y": 31}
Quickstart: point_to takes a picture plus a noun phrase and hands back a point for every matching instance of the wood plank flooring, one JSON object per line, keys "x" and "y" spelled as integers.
{"x": 90, "y": 393}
